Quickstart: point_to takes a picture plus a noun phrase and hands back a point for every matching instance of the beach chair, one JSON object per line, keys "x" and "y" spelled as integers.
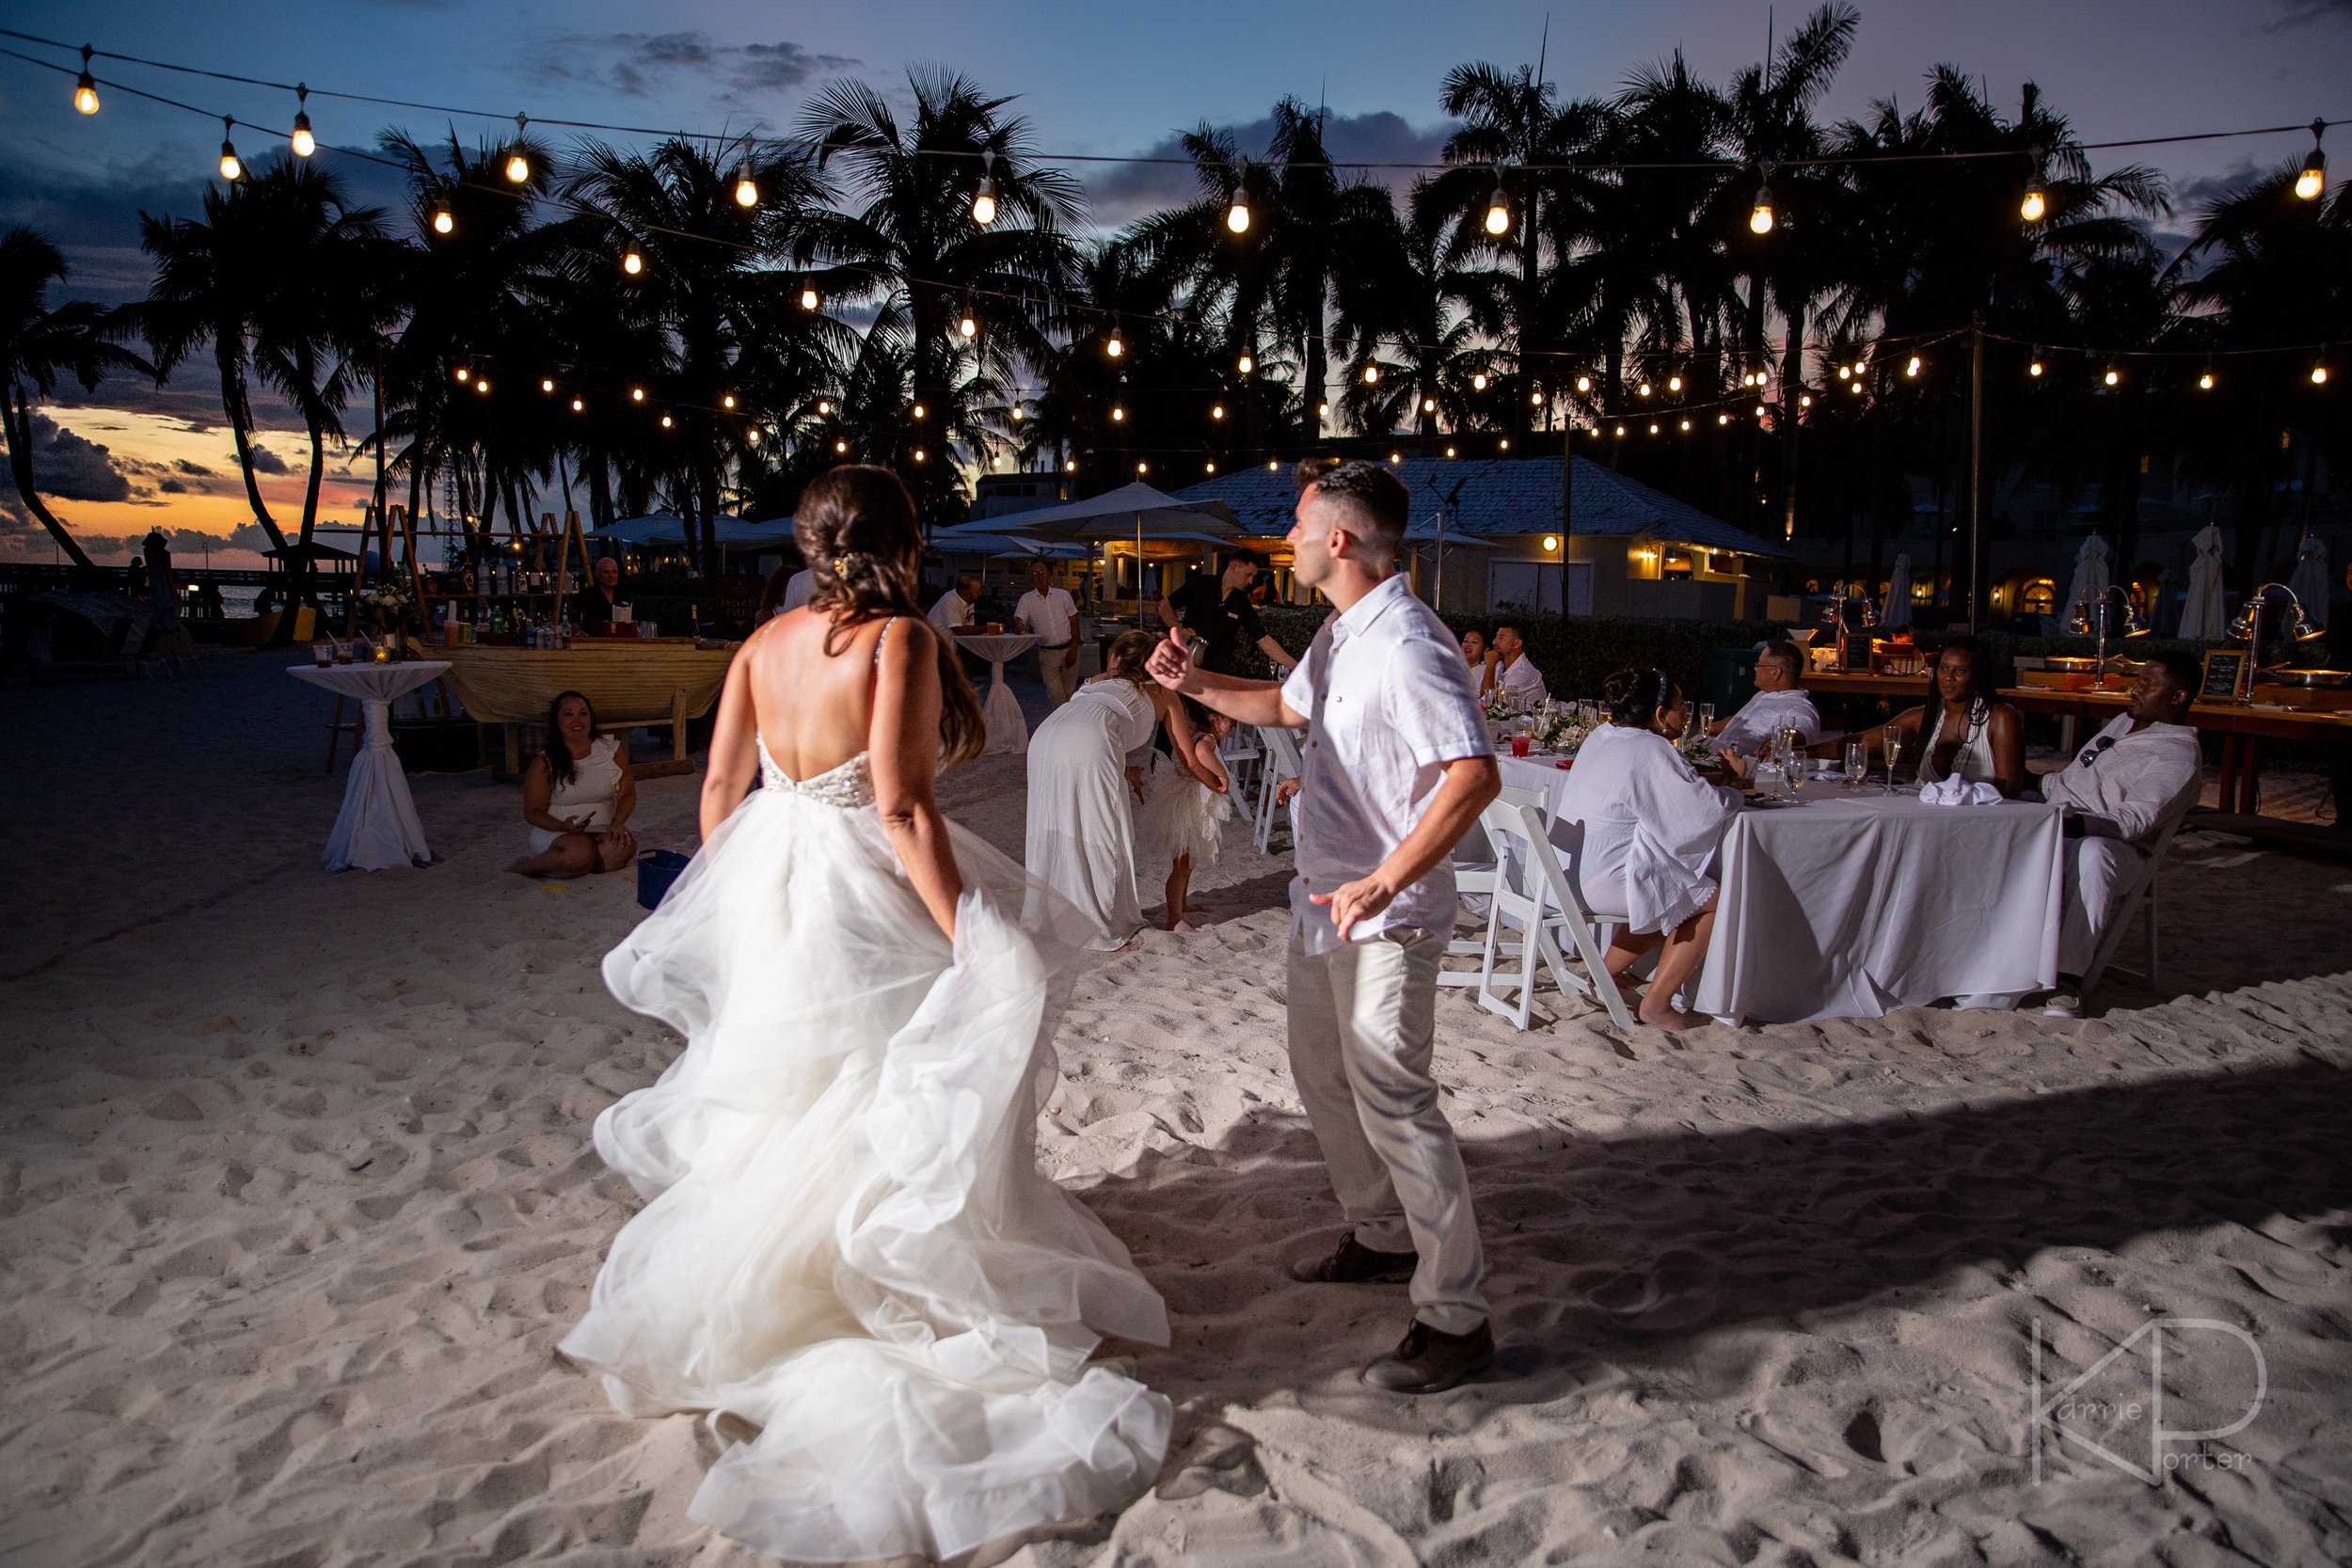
{"x": 1280, "y": 762}
{"x": 2139, "y": 899}
{"x": 1532, "y": 893}
{"x": 1478, "y": 882}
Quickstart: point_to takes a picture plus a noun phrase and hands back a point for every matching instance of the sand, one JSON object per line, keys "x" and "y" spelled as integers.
{"x": 296, "y": 1197}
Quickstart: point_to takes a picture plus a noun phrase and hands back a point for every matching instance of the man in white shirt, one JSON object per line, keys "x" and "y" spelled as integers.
{"x": 1397, "y": 767}
{"x": 1050, "y": 616}
{"x": 1508, "y": 666}
{"x": 798, "y": 591}
{"x": 1777, "y": 705}
{"x": 2138, "y": 776}
{"x": 954, "y": 607}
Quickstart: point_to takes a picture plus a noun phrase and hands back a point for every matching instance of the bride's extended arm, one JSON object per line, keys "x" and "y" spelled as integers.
{"x": 727, "y": 776}
{"x": 905, "y": 742}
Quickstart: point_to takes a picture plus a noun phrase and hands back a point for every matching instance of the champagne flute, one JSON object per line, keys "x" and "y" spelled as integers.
{"x": 1894, "y": 754}
{"x": 1857, "y": 763}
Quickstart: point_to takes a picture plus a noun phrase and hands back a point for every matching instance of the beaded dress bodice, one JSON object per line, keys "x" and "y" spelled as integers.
{"x": 849, "y": 786}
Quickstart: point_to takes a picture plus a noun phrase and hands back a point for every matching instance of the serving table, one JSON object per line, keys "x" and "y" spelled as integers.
{"x": 377, "y": 829}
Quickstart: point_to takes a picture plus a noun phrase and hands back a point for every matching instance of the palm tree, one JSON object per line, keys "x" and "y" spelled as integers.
{"x": 1408, "y": 314}
{"x": 37, "y": 345}
{"x": 912, "y": 250}
{"x": 287, "y": 282}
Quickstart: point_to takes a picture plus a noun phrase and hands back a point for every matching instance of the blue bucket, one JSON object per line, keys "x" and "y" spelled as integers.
{"x": 655, "y": 870}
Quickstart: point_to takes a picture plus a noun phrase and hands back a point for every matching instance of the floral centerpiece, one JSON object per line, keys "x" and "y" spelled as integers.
{"x": 1558, "y": 728}
{"x": 1500, "y": 704}
{"x": 390, "y": 602}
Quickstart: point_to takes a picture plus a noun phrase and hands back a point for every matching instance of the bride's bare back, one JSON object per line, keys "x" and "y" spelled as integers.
{"x": 814, "y": 709}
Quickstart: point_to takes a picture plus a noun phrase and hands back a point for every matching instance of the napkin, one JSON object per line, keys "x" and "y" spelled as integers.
{"x": 1958, "y": 792}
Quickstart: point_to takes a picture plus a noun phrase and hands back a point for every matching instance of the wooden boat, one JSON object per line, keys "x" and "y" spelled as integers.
{"x": 631, "y": 681}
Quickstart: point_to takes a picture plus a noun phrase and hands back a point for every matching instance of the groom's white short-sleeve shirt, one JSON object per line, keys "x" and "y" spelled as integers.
{"x": 1388, "y": 701}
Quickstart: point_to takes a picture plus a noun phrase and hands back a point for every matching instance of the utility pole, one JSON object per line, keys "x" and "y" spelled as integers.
{"x": 1976, "y": 458}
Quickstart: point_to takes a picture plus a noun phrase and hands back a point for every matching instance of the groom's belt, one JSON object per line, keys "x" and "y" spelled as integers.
{"x": 1049, "y": 647}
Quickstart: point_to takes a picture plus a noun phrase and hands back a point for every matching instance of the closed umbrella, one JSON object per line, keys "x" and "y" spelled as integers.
{"x": 2308, "y": 582}
{"x": 1896, "y": 613}
{"x": 2090, "y": 573}
{"x": 2204, "y": 616}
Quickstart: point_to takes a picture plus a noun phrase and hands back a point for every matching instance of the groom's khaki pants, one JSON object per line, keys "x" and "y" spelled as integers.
{"x": 1361, "y": 1022}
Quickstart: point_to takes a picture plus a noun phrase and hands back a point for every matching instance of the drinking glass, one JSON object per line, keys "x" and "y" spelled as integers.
{"x": 1857, "y": 763}
{"x": 1893, "y": 754}
{"x": 1706, "y": 715}
{"x": 322, "y": 653}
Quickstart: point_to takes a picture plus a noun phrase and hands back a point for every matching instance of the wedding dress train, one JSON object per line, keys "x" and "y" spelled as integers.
{"x": 847, "y": 1243}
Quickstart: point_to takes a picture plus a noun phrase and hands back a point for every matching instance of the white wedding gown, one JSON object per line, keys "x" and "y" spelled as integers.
{"x": 847, "y": 1243}
{"x": 1081, "y": 828}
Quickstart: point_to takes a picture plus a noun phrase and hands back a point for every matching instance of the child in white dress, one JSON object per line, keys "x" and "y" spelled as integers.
{"x": 1186, "y": 802}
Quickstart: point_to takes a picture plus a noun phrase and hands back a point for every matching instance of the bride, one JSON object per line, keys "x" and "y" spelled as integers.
{"x": 846, "y": 1243}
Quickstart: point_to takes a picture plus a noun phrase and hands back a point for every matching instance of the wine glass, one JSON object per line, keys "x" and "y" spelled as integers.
{"x": 1894, "y": 754}
{"x": 1857, "y": 763}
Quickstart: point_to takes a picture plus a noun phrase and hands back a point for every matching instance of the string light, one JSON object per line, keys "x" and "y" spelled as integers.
{"x": 1506, "y": 443}
{"x": 1478, "y": 381}
{"x": 1653, "y": 429}
{"x": 1143, "y": 468}
{"x": 1071, "y": 467}
{"x": 824, "y": 406}
{"x": 303, "y": 142}
{"x": 1372, "y": 374}
{"x": 1643, "y": 389}
{"x": 2204, "y": 382}
{"x": 1911, "y": 366}
{"x": 1429, "y": 406}
{"x": 481, "y": 385}
{"x": 1843, "y": 372}
{"x": 2036, "y": 200}
{"x": 547, "y": 384}
{"x": 1583, "y": 383}
{"x": 919, "y": 454}
{"x": 2319, "y": 376}
{"x": 808, "y": 299}
{"x": 1119, "y": 415}
{"x": 1621, "y": 430}
{"x": 665, "y": 422}
{"x": 578, "y": 406}
{"x": 1498, "y": 209}
{"x": 2034, "y": 368}
{"x": 1209, "y": 468}
{"x": 1760, "y": 216}
{"x": 727, "y": 402}
{"x": 840, "y": 447}
{"x": 85, "y": 86}
{"x": 1237, "y": 212}
{"x": 1273, "y": 465}
{"x": 517, "y": 166}
{"x": 746, "y": 188}
{"x": 1674, "y": 383}
{"x": 1722, "y": 419}
{"x": 1804, "y": 399}
{"x": 2312, "y": 179}
{"x": 920, "y": 411}
{"x": 1217, "y": 412}
{"x": 751, "y": 437}
{"x": 969, "y": 326}
{"x": 1115, "y": 345}
{"x": 1247, "y": 363}
{"x": 984, "y": 204}
{"x": 1686, "y": 424}
{"x": 636, "y": 394}
{"x": 462, "y": 375}
{"x": 2114, "y": 376}
{"x": 1449, "y": 452}
{"x": 230, "y": 169}
{"x": 1854, "y": 386}
{"x": 631, "y": 262}
{"x": 1017, "y": 414}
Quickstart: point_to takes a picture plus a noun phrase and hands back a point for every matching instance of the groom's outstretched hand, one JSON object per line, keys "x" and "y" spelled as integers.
{"x": 1171, "y": 663}
{"x": 1352, "y": 901}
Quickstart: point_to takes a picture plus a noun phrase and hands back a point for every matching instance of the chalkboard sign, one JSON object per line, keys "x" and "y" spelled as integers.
{"x": 2224, "y": 671}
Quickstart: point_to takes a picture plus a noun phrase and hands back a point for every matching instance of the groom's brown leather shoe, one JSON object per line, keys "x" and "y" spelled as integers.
{"x": 1428, "y": 1361}
{"x": 1355, "y": 1263}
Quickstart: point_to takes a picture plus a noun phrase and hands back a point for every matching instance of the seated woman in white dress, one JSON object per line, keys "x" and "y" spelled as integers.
{"x": 1083, "y": 795}
{"x": 578, "y": 796}
{"x": 1649, "y": 830}
{"x": 845, "y": 1243}
{"x": 1975, "y": 739}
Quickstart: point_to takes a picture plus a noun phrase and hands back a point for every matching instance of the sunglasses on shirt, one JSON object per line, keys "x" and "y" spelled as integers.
{"x": 2097, "y": 749}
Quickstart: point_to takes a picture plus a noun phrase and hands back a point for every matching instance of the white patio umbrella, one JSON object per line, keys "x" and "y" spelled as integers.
{"x": 1131, "y": 512}
{"x": 2308, "y": 582}
{"x": 2204, "y": 616}
{"x": 1896, "y": 613}
{"x": 2090, "y": 574}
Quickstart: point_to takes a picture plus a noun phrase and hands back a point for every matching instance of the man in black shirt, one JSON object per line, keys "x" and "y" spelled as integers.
{"x": 1217, "y": 614}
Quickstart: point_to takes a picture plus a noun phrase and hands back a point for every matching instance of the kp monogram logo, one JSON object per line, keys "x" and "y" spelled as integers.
{"x": 2069, "y": 1403}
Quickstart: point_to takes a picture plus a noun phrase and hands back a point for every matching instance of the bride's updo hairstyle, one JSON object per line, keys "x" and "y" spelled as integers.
{"x": 1633, "y": 697}
{"x": 856, "y": 528}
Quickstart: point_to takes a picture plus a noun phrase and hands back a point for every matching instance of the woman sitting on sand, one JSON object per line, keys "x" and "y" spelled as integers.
{"x": 1186, "y": 802}
{"x": 1651, "y": 828}
{"x": 577, "y": 796}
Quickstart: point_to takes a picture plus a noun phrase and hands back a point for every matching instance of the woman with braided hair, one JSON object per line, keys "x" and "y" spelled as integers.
{"x": 845, "y": 1243}
{"x": 1647, "y": 830}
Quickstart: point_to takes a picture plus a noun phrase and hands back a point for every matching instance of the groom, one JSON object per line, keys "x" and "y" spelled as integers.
{"x": 1398, "y": 766}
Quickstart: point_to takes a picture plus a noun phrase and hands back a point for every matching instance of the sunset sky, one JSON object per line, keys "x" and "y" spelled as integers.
{"x": 1093, "y": 79}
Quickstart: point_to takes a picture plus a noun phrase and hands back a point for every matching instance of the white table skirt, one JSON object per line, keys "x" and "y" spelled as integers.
{"x": 377, "y": 829}
{"x": 1851, "y": 905}
{"x": 1008, "y": 731}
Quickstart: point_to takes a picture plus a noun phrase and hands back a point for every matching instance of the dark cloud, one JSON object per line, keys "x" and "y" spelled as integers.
{"x": 196, "y": 471}
{"x": 641, "y": 64}
{"x": 2195, "y": 196}
{"x": 1120, "y": 193}
{"x": 2303, "y": 13}
{"x": 73, "y": 467}
{"x": 266, "y": 460}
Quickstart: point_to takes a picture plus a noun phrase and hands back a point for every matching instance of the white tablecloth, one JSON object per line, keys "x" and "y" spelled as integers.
{"x": 1001, "y": 711}
{"x": 1851, "y": 905}
{"x": 378, "y": 827}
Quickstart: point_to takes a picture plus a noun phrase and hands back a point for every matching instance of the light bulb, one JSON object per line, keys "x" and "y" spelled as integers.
{"x": 727, "y": 400}
{"x": 1119, "y": 415}
{"x": 1237, "y": 216}
{"x": 1372, "y": 374}
{"x": 746, "y": 190}
{"x": 1911, "y": 366}
{"x": 1551, "y": 542}
{"x": 2035, "y": 204}
{"x": 85, "y": 88}
{"x": 2112, "y": 377}
{"x": 463, "y": 375}
{"x": 443, "y": 223}
{"x": 1143, "y": 468}
{"x": 808, "y": 299}
{"x": 2314, "y": 176}
{"x": 840, "y": 447}
{"x": 1429, "y": 406}
{"x": 1759, "y": 410}
{"x": 919, "y": 454}
{"x": 1498, "y": 214}
{"x": 481, "y": 385}
{"x": 1017, "y": 414}
{"x": 969, "y": 327}
{"x": 1643, "y": 389}
{"x": 2034, "y": 368}
{"x": 1504, "y": 444}
{"x": 1583, "y": 383}
{"x": 1272, "y": 466}
{"x": 1115, "y": 345}
{"x": 1854, "y": 386}
{"x": 1217, "y": 412}
{"x": 545, "y": 384}
{"x": 1248, "y": 364}
{"x": 1621, "y": 430}
{"x": 1674, "y": 383}
{"x": 633, "y": 264}
{"x": 1070, "y": 465}
{"x": 665, "y": 422}
{"x": 984, "y": 207}
{"x": 229, "y": 167}
{"x": 1478, "y": 381}
{"x": 2204, "y": 382}
{"x": 1722, "y": 419}
{"x": 1322, "y": 410}
{"x": 920, "y": 411}
{"x": 2319, "y": 376}
{"x": 1535, "y": 399}
{"x": 1686, "y": 424}
{"x": 1449, "y": 452}
{"x": 517, "y": 169}
{"x": 1844, "y": 372}
{"x": 751, "y": 437}
{"x": 1209, "y": 468}
{"x": 1760, "y": 220}
{"x": 303, "y": 141}
{"x": 1653, "y": 429}
{"x": 636, "y": 394}
{"x": 824, "y": 406}
{"x": 578, "y": 406}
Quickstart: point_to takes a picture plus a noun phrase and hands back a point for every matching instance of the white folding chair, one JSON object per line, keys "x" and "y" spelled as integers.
{"x": 1532, "y": 892}
{"x": 2139, "y": 899}
{"x": 1240, "y": 752}
{"x": 1280, "y": 762}
{"x": 1478, "y": 882}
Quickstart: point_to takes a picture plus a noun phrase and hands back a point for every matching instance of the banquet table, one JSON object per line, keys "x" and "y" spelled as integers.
{"x": 377, "y": 829}
{"x": 1001, "y": 711}
{"x": 1538, "y": 772}
{"x": 1852, "y": 904}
